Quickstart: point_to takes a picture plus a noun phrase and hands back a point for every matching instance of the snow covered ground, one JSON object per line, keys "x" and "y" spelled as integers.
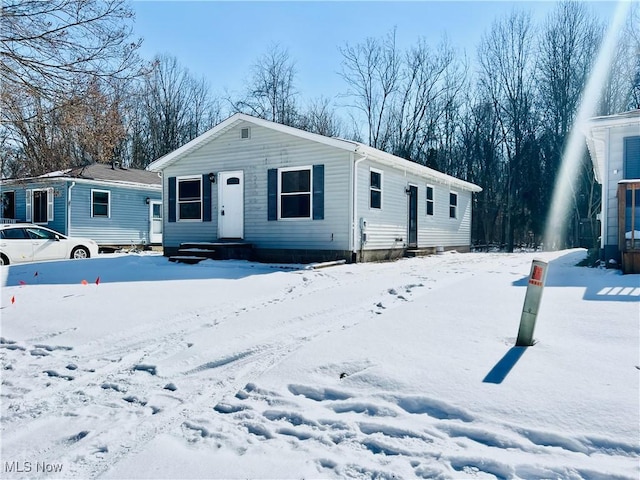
{"x": 128, "y": 366}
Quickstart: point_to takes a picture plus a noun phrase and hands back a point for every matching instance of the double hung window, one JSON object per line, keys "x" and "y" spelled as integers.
{"x": 375, "y": 189}
{"x": 429, "y": 200}
{"x": 189, "y": 198}
{"x": 295, "y": 193}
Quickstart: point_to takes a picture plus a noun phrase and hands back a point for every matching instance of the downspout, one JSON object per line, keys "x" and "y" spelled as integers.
{"x": 354, "y": 206}
{"x": 68, "y": 232}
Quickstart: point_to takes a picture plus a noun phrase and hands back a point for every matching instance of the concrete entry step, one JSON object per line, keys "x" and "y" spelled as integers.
{"x": 191, "y": 260}
{"x": 219, "y": 250}
{"x": 420, "y": 252}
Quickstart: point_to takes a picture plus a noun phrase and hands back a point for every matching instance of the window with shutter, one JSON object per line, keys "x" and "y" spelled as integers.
{"x": 632, "y": 158}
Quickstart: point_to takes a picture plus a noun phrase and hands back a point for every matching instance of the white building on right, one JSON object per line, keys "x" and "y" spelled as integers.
{"x": 614, "y": 145}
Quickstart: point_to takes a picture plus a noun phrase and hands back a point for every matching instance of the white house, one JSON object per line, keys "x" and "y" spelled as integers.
{"x": 298, "y": 196}
{"x": 614, "y": 145}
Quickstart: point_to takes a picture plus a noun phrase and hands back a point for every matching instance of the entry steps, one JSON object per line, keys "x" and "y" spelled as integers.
{"x": 195, "y": 252}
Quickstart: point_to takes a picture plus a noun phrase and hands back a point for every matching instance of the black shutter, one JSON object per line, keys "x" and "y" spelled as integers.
{"x": 172, "y": 199}
{"x": 631, "y": 158}
{"x": 206, "y": 198}
{"x": 272, "y": 194}
{"x": 318, "y": 192}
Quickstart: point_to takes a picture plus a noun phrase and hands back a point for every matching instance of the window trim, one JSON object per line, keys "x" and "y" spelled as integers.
{"x": 31, "y": 205}
{"x": 13, "y": 203}
{"x": 628, "y": 142}
{"x": 373, "y": 189}
{"x": 108, "y": 192}
{"x": 282, "y": 170}
{"x": 430, "y": 201}
{"x": 453, "y": 206}
{"x": 178, "y": 202}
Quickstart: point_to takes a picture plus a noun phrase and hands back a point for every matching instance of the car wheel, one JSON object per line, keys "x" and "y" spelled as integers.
{"x": 80, "y": 252}
{"x": 4, "y": 260}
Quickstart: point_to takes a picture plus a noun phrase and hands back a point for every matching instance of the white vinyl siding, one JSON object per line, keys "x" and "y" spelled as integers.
{"x": 384, "y": 227}
{"x": 267, "y": 149}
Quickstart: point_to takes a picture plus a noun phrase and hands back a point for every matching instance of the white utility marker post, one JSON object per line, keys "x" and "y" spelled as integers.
{"x": 537, "y": 278}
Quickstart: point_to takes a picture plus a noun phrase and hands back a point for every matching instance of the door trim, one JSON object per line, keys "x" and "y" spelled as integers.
{"x": 157, "y": 237}
{"x": 412, "y": 195}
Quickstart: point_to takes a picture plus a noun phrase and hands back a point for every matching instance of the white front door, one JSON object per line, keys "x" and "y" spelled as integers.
{"x": 231, "y": 204}
{"x": 155, "y": 222}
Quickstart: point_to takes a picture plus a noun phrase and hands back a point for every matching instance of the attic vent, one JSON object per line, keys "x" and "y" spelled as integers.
{"x": 244, "y": 133}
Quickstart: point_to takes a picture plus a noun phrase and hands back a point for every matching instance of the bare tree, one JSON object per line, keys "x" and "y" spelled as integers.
{"x": 170, "y": 108}
{"x": 271, "y": 92}
{"x": 372, "y": 72}
{"x": 622, "y": 90}
{"x": 480, "y": 154}
{"x": 507, "y": 67}
{"x": 321, "y": 118}
{"x": 424, "y": 110}
{"x": 568, "y": 45}
{"x": 45, "y": 45}
{"x": 85, "y": 126}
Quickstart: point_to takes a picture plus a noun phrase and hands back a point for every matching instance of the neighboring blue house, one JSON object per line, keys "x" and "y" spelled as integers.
{"x": 112, "y": 205}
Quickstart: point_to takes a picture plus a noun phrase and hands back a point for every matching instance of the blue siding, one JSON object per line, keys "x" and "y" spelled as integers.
{"x": 128, "y": 222}
{"x": 59, "y": 221}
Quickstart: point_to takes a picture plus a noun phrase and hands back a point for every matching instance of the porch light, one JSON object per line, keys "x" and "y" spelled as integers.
{"x": 212, "y": 177}
{"x": 147, "y": 200}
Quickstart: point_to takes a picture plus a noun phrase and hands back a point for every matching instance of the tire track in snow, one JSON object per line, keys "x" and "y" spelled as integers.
{"x": 228, "y": 374}
{"x": 269, "y": 355}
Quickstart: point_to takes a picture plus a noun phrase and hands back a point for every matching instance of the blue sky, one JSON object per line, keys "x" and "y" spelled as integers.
{"x": 220, "y": 41}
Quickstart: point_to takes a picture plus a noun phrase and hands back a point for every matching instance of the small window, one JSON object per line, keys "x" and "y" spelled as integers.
{"x": 100, "y": 203}
{"x": 375, "y": 189}
{"x": 190, "y": 198}
{"x": 233, "y": 181}
{"x": 295, "y": 193}
{"x": 9, "y": 205}
{"x": 453, "y": 205}
{"x": 429, "y": 200}
{"x": 245, "y": 133}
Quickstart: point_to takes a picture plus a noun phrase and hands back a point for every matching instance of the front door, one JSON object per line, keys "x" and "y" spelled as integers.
{"x": 231, "y": 204}
{"x": 155, "y": 222}
{"x": 413, "y": 216}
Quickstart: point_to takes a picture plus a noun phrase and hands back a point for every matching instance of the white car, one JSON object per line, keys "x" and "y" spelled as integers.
{"x": 24, "y": 242}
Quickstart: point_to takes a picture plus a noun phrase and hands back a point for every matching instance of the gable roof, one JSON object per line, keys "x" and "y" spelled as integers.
{"x": 596, "y": 134}
{"x": 101, "y": 172}
{"x": 347, "y": 145}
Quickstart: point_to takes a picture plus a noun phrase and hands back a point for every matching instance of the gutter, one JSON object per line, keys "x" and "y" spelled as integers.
{"x": 73, "y": 184}
{"x": 354, "y": 208}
